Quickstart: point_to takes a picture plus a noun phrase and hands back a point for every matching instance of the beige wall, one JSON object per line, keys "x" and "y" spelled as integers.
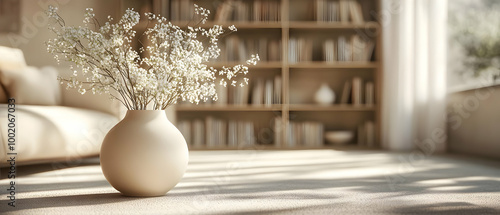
{"x": 34, "y": 30}
{"x": 474, "y": 122}
{"x": 34, "y": 33}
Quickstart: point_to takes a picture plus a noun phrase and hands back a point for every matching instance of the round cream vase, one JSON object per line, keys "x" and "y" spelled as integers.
{"x": 144, "y": 154}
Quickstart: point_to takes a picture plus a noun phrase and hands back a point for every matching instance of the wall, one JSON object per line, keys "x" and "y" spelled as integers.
{"x": 34, "y": 31}
{"x": 474, "y": 122}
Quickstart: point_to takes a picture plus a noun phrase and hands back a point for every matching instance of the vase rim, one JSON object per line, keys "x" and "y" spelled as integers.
{"x": 145, "y": 113}
{"x": 145, "y": 110}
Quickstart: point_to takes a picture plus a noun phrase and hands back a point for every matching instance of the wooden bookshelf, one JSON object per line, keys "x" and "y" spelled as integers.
{"x": 260, "y": 65}
{"x": 314, "y": 107}
{"x": 330, "y": 25}
{"x": 334, "y": 65}
{"x": 299, "y": 79}
{"x": 239, "y": 24}
{"x": 228, "y": 108}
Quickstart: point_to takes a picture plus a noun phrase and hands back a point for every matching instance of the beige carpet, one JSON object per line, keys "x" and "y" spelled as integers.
{"x": 274, "y": 182}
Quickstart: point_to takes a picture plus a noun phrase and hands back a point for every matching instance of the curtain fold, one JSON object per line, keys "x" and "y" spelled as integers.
{"x": 414, "y": 75}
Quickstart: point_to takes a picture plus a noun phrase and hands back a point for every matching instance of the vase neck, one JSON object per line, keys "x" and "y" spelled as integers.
{"x": 145, "y": 114}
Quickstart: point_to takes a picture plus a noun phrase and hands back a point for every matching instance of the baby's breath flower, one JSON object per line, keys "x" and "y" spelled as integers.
{"x": 52, "y": 12}
{"x": 172, "y": 67}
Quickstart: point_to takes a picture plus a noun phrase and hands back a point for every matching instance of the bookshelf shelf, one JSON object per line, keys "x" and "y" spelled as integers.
{"x": 331, "y": 25}
{"x": 334, "y": 65}
{"x": 239, "y": 25}
{"x": 255, "y": 147}
{"x": 187, "y": 108}
{"x": 348, "y": 146}
{"x": 260, "y": 65}
{"x": 312, "y": 107}
{"x": 302, "y": 44}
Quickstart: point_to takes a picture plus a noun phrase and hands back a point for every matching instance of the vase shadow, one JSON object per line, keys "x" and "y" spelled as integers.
{"x": 68, "y": 201}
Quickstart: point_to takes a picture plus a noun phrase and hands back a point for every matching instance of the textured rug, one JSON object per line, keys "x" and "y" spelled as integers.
{"x": 273, "y": 182}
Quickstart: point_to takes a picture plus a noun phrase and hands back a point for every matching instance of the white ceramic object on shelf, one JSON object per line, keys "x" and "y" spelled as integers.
{"x": 339, "y": 137}
{"x": 324, "y": 95}
{"x": 144, "y": 154}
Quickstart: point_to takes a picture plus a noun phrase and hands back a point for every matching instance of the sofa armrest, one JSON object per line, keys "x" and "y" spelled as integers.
{"x": 49, "y": 133}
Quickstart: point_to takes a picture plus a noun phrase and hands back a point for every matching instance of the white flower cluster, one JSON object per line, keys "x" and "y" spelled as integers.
{"x": 172, "y": 66}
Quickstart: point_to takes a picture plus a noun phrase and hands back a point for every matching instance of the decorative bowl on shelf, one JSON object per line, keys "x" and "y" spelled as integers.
{"x": 340, "y": 137}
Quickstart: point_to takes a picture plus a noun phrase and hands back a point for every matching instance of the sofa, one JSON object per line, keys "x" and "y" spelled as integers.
{"x": 51, "y": 124}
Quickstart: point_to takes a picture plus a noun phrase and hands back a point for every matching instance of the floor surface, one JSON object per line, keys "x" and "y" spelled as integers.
{"x": 274, "y": 182}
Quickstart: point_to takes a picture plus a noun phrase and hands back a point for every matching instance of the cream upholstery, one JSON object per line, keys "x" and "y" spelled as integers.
{"x": 32, "y": 86}
{"x": 51, "y": 124}
{"x": 55, "y": 132}
{"x": 3, "y": 95}
{"x": 11, "y": 58}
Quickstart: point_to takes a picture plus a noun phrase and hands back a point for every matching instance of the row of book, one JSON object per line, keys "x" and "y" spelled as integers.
{"x": 257, "y": 92}
{"x": 229, "y": 10}
{"x": 306, "y": 133}
{"x": 366, "y": 134}
{"x": 301, "y": 50}
{"x": 180, "y": 10}
{"x": 212, "y": 132}
{"x": 236, "y": 49}
{"x": 267, "y": 92}
{"x": 353, "y": 92}
{"x": 256, "y": 11}
{"x": 217, "y": 133}
{"x": 348, "y": 49}
{"x": 260, "y": 10}
{"x": 342, "y": 48}
{"x": 339, "y": 11}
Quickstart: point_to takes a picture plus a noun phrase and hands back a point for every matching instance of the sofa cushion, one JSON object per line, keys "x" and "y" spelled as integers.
{"x": 32, "y": 86}
{"x": 3, "y": 95}
{"x": 12, "y": 58}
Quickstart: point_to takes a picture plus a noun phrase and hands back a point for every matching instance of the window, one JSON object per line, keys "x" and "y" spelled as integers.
{"x": 473, "y": 43}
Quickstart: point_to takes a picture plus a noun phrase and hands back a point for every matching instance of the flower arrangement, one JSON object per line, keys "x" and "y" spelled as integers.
{"x": 172, "y": 67}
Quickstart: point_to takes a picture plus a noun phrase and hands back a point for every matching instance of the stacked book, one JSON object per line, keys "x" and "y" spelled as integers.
{"x": 180, "y": 10}
{"x": 258, "y": 92}
{"x": 217, "y": 133}
{"x": 301, "y": 50}
{"x": 339, "y": 11}
{"x": 352, "y": 92}
{"x": 309, "y": 134}
{"x": 240, "y": 133}
{"x": 197, "y": 133}
{"x": 236, "y": 49}
{"x": 244, "y": 11}
{"x": 267, "y": 92}
{"x": 228, "y": 10}
{"x": 277, "y": 130}
{"x": 238, "y": 95}
{"x": 345, "y": 48}
{"x": 366, "y": 134}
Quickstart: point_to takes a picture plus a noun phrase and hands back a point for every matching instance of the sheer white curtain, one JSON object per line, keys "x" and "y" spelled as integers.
{"x": 414, "y": 76}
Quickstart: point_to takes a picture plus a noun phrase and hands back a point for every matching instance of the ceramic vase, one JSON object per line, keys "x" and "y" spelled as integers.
{"x": 324, "y": 95}
{"x": 144, "y": 154}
